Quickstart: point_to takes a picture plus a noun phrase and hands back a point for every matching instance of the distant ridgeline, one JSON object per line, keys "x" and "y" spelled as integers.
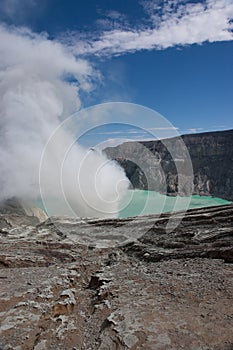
{"x": 211, "y": 155}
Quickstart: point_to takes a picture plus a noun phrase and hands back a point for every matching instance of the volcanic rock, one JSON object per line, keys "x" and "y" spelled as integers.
{"x": 211, "y": 155}
{"x": 151, "y": 287}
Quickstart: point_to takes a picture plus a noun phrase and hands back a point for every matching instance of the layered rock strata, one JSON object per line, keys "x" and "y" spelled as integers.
{"x": 155, "y": 168}
{"x": 147, "y": 289}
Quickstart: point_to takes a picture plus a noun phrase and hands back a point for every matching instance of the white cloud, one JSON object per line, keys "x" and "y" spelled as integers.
{"x": 111, "y": 19}
{"x": 222, "y": 126}
{"x": 20, "y": 10}
{"x": 123, "y": 132}
{"x": 194, "y": 130}
{"x": 34, "y": 97}
{"x": 164, "y": 128}
{"x": 107, "y": 133}
{"x": 184, "y": 24}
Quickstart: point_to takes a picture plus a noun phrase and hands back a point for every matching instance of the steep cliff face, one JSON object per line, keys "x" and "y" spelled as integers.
{"x": 211, "y": 157}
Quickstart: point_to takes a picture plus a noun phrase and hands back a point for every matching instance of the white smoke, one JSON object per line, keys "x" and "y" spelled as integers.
{"x": 40, "y": 82}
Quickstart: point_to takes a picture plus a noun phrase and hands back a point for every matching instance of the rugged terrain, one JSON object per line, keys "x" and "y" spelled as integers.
{"x": 155, "y": 168}
{"x": 149, "y": 288}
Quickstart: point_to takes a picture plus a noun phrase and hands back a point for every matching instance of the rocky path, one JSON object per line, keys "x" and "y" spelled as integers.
{"x": 155, "y": 290}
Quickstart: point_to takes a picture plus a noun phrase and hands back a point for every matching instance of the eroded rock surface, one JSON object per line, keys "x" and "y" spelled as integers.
{"x": 155, "y": 168}
{"x": 160, "y": 290}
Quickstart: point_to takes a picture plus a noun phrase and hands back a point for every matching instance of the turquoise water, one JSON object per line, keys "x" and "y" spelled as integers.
{"x": 138, "y": 202}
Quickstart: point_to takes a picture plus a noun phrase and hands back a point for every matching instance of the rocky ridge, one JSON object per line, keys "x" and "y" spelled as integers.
{"x": 155, "y": 167}
{"x": 149, "y": 288}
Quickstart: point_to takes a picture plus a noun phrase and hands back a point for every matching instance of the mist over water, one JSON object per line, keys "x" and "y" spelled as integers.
{"x": 35, "y": 97}
{"x": 40, "y": 85}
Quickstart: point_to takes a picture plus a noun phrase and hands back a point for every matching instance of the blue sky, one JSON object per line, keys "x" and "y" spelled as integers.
{"x": 175, "y": 57}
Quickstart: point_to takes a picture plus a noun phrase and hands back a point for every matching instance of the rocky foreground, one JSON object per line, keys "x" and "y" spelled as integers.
{"x": 154, "y": 290}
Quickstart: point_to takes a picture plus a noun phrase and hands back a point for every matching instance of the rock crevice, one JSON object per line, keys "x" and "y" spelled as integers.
{"x": 162, "y": 290}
